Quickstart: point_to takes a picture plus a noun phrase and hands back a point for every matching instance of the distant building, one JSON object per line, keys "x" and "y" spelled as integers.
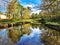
{"x": 3, "y": 17}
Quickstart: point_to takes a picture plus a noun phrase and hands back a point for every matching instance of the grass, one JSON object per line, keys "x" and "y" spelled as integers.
{"x": 15, "y": 21}
{"x": 53, "y": 23}
{"x": 27, "y": 20}
{"x": 6, "y": 21}
{"x": 33, "y": 21}
{"x": 36, "y": 23}
{"x": 38, "y": 19}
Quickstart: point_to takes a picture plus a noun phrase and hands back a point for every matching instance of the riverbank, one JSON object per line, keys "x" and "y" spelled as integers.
{"x": 10, "y": 23}
{"x": 15, "y": 21}
{"x": 53, "y": 25}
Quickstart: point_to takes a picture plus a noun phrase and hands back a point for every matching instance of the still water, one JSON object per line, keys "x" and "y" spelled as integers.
{"x": 29, "y": 34}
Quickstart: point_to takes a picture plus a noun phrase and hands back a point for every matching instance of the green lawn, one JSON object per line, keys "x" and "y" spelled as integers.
{"x": 53, "y": 23}
{"x": 35, "y": 21}
{"x": 14, "y": 21}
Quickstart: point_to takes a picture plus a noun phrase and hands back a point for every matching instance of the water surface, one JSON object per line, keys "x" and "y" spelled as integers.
{"x": 29, "y": 34}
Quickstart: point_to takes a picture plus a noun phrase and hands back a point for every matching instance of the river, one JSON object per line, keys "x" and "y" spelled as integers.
{"x": 29, "y": 34}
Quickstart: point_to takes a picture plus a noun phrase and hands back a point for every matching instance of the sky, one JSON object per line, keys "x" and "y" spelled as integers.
{"x": 33, "y": 4}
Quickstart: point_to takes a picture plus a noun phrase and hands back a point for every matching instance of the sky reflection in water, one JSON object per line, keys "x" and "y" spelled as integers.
{"x": 32, "y": 39}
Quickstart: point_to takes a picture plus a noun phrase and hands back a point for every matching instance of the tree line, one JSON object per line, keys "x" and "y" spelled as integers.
{"x": 50, "y": 10}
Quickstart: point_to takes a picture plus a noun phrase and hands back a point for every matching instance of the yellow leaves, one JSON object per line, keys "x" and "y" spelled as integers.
{"x": 13, "y": 1}
{"x": 51, "y": 37}
{"x": 14, "y": 9}
{"x": 26, "y": 13}
{"x": 26, "y": 28}
{"x": 15, "y": 35}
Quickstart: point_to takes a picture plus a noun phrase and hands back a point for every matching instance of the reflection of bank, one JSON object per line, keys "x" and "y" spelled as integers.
{"x": 26, "y": 29}
{"x": 4, "y": 40}
{"x": 15, "y": 33}
{"x": 51, "y": 37}
{"x": 3, "y": 35}
{"x": 32, "y": 39}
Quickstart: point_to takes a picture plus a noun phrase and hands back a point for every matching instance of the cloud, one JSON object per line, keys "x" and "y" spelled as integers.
{"x": 33, "y": 4}
{"x": 34, "y": 9}
{"x": 4, "y": 4}
{"x": 28, "y": 5}
{"x": 1, "y": 3}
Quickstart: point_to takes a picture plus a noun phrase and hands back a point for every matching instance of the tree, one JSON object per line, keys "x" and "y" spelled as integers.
{"x": 1, "y": 12}
{"x": 13, "y": 10}
{"x": 51, "y": 8}
{"x": 26, "y": 13}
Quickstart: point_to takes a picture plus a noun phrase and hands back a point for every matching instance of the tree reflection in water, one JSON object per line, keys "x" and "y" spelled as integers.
{"x": 16, "y": 32}
{"x": 51, "y": 37}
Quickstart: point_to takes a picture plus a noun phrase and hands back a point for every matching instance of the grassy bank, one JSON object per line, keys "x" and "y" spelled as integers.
{"x": 53, "y": 23}
{"x": 15, "y": 21}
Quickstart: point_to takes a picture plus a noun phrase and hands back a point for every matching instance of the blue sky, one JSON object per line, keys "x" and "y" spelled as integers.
{"x": 35, "y": 2}
{"x": 25, "y": 3}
